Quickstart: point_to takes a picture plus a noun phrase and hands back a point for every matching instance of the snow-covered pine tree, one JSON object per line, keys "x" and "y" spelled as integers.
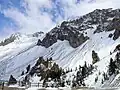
{"x": 95, "y": 57}
{"x": 112, "y": 67}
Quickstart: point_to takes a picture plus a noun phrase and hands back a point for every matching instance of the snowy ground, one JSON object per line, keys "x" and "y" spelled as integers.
{"x": 65, "y": 88}
{"x": 35, "y": 88}
{"x": 16, "y": 56}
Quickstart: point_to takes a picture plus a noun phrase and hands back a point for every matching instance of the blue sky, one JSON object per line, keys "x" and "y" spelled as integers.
{"x": 28, "y": 16}
{"x": 6, "y": 21}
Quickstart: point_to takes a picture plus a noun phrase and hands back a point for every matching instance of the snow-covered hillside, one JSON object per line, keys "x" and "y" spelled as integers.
{"x": 68, "y": 51}
{"x": 15, "y": 56}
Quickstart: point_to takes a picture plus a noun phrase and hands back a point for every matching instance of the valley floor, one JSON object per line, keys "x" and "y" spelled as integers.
{"x": 65, "y": 88}
{"x": 73, "y": 89}
{"x": 11, "y": 88}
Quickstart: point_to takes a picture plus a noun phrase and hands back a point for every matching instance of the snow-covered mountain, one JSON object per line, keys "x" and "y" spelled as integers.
{"x": 69, "y": 44}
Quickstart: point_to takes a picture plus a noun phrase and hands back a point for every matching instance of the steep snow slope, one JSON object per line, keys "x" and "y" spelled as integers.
{"x": 26, "y": 52}
{"x": 15, "y": 56}
{"x": 66, "y": 56}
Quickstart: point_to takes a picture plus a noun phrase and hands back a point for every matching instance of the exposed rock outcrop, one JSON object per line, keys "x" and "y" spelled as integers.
{"x": 75, "y": 31}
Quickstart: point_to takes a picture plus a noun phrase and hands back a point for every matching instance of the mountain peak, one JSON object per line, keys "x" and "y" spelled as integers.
{"x": 76, "y": 31}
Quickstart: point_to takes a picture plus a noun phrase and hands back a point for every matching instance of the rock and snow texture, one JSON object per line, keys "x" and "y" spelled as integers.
{"x": 92, "y": 27}
{"x": 15, "y": 56}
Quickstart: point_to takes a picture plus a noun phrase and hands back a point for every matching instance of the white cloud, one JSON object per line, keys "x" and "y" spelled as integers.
{"x": 5, "y": 32}
{"x": 87, "y": 6}
{"x": 34, "y": 20}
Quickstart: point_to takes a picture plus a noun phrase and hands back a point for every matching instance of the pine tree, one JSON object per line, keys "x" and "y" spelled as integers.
{"x": 74, "y": 83}
{"x": 12, "y": 80}
{"x": 96, "y": 79}
{"x": 102, "y": 81}
{"x": 86, "y": 69}
{"x": 50, "y": 59}
{"x": 22, "y": 73}
{"x": 76, "y": 69}
{"x": 90, "y": 68}
{"x": 26, "y": 78}
{"x": 112, "y": 67}
{"x": 79, "y": 67}
{"x": 85, "y": 65}
{"x": 28, "y": 68}
{"x": 95, "y": 57}
{"x": 39, "y": 42}
{"x": 32, "y": 71}
{"x": 83, "y": 72}
{"x": 117, "y": 58}
{"x": 39, "y": 61}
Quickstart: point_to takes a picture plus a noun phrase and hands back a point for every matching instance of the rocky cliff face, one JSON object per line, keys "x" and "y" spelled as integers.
{"x": 75, "y": 31}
